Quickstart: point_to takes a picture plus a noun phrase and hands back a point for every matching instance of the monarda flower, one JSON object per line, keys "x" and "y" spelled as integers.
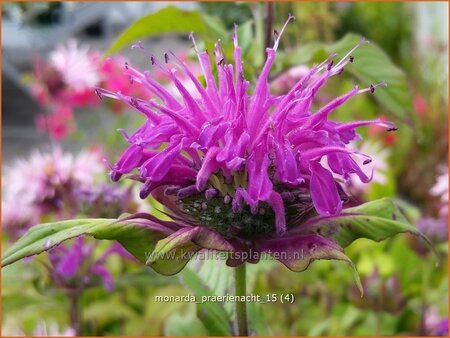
{"x": 239, "y": 169}
{"x": 68, "y": 76}
{"x": 48, "y": 183}
{"x": 58, "y": 124}
{"x": 72, "y": 266}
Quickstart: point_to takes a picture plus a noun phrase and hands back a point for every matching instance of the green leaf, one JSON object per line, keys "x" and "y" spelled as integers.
{"x": 302, "y": 54}
{"x": 103, "y": 311}
{"x": 137, "y": 238}
{"x": 256, "y": 319}
{"x": 376, "y": 220}
{"x": 215, "y": 26}
{"x": 216, "y": 276}
{"x": 212, "y": 314}
{"x": 168, "y": 20}
{"x": 178, "y": 325}
{"x": 372, "y": 65}
{"x": 172, "y": 253}
{"x": 246, "y": 37}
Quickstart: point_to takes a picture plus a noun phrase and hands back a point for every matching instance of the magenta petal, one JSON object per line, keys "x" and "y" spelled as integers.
{"x": 157, "y": 167}
{"x": 260, "y": 185}
{"x": 257, "y": 108}
{"x": 159, "y": 90}
{"x": 209, "y": 165}
{"x": 205, "y": 63}
{"x": 70, "y": 263}
{"x": 210, "y": 134}
{"x": 235, "y": 164}
{"x": 227, "y": 150}
{"x": 276, "y": 202}
{"x": 344, "y": 165}
{"x": 210, "y": 193}
{"x": 324, "y": 192}
{"x": 321, "y": 116}
{"x": 191, "y": 104}
{"x": 287, "y": 168}
{"x": 129, "y": 159}
{"x": 177, "y": 175}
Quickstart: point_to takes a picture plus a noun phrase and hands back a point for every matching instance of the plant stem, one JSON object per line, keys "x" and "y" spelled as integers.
{"x": 269, "y": 25}
{"x": 75, "y": 312}
{"x": 241, "y": 307}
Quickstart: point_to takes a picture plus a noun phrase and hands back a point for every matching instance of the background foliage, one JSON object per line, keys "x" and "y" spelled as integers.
{"x": 400, "y": 277}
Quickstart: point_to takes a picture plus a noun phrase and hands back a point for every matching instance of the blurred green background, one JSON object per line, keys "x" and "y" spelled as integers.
{"x": 404, "y": 288}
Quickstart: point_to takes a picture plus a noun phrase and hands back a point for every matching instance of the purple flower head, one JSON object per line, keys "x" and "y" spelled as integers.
{"x": 105, "y": 200}
{"x": 46, "y": 182}
{"x": 435, "y": 325}
{"x": 239, "y": 160}
{"x": 74, "y": 266}
{"x": 436, "y": 229}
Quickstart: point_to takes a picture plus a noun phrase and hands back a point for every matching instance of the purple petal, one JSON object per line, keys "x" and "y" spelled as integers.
{"x": 257, "y": 109}
{"x": 344, "y": 165}
{"x": 318, "y": 118}
{"x": 68, "y": 266}
{"x": 105, "y": 276}
{"x": 260, "y": 185}
{"x": 276, "y": 202}
{"x": 286, "y": 164}
{"x": 324, "y": 192}
{"x": 129, "y": 159}
{"x": 209, "y": 166}
{"x": 157, "y": 167}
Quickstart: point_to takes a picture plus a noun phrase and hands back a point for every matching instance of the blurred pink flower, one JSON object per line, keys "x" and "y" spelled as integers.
{"x": 440, "y": 189}
{"x": 420, "y": 105}
{"x": 386, "y": 138}
{"x": 77, "y": 65}
{"x": 67, "y": 80}
{"x": 285, "y": 81}
{"x": 51, "y": 329}
{"x": 435, "y": 325}
{"x": 17, "y": 218}
{"x": 47, "y": 182}
{"x": 58, "y": 125}
{"x": 377, "y": 168}
{"x": 114, "y": 79}
{"x": 69, "y": 76}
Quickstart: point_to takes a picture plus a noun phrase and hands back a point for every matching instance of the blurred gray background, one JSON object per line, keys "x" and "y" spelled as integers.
{"x": 33, "y": 30}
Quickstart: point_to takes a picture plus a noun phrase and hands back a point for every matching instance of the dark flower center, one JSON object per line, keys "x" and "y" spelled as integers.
{"x": 217, "y": 214}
